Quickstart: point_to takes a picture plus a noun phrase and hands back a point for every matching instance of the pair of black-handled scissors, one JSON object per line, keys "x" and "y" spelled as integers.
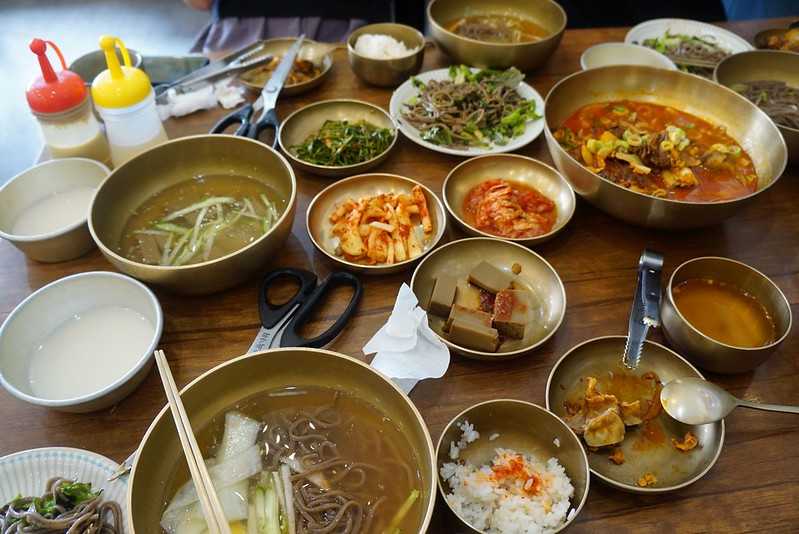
{"x": 266, "y": 102}
{"x": 281, "y": 324}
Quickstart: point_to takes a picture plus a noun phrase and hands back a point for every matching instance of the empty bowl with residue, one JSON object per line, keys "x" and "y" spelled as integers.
{"x": 81, "y": 343}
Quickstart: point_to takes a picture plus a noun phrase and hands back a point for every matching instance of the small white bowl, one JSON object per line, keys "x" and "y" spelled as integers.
{"x": 48, "y": 308}
{"x": 36, "y": 184}
{"x": 605, "y": 54}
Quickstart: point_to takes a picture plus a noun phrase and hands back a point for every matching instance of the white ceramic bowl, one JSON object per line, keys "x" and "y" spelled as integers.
{"x": 657, "y": 27}
{"x": 36, "y": 184}
{"x": 605, "y": 54}
{"x": 46, "y": 309}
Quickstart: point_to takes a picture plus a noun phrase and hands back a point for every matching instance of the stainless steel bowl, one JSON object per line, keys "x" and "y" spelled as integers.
{"x": 764, "y": 65}
{"x": 160, "y": 454}
{"x": 387, "y": 72}
{"x": 525, "y": 56}
{"x": 705, "y": 351}
{"x": 90, "y": 64}
{"x": 524, "y": 427}
{"x": 747, "y": 124}
{"x": 307, "y": 121}
{"x": 167, "y": 164}
{"x": 516, "y": 168}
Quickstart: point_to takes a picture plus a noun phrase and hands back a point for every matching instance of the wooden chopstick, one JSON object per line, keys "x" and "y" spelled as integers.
{"x": 212, "y": 510}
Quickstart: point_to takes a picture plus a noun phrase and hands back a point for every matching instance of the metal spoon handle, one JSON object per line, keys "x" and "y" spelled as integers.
{"x": 769, "y": 407}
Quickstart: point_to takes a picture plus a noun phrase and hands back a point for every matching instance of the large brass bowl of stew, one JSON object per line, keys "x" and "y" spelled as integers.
{"x": 497, "y": 33}
{"x": 668, "y": 149}
{"x": 267, "y": 386}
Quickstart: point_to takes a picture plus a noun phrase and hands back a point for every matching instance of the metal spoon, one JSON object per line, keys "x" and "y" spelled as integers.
{"x": 695, "y": 401}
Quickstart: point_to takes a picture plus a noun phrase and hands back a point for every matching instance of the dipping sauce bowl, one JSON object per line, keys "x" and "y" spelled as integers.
{"x": 705, "y": 351}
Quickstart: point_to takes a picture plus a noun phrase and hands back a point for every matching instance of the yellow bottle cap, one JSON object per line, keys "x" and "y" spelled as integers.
{"x": 119, "y": 86}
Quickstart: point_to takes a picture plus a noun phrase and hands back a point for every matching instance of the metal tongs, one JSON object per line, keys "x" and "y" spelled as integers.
{"x": 244, "y": 59}
{"x": 646, "y": 306}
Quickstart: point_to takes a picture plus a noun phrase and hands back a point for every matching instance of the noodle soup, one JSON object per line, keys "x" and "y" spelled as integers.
{"x": 502, "y": 29}
{"x": 310, "y": 458}
{"x": 200, "y": 219}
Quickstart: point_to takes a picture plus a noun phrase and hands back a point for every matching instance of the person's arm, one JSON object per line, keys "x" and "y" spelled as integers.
{"x": 199, "y": 5}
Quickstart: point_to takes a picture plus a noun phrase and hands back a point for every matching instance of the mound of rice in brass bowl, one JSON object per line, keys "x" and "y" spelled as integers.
{"x": 497, "y": 33}
{"x": 661, "y": 148}
{"x": 376, "y": 223}
{"x": 489, "y": 299}
{"x": 631, "y": 442}
{"x": 311, "y": 67}
{"x": 336, "y": 138}
{"x": 510, "y": 197}
{"x": 386, "y": 71}
{"x": 328, "y": 442}
{"x": 197, "y": 214}
{"x": 538, "y": 469}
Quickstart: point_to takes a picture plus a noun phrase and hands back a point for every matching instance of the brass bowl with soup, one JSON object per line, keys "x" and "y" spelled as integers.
{"x": 548, "y": 18}
{"x": 768, "y": 308}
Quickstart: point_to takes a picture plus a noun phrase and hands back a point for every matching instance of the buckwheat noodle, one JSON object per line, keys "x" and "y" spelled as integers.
{"x": 776, "y": 98}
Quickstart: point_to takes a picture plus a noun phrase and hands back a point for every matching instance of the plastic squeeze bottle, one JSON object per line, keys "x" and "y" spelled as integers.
{"x": 126, "y": 101}
{"x": 61, "y": 105}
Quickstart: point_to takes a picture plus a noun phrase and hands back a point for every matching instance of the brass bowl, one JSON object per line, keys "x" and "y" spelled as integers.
{"x": 524, "y": 427}
{"x": 323, "y": 204}
{"x": 747, "y": 124}
{"x": 525, "y": 56}
{"x": 515, "y": 168}
{"x": 387, "y": 72}
{"x": 279, "y": 46}
{"x": 307, "y": 121}
{"x": 457, "y": 258}
{"x": 705, "y": 351}
{"x": 764, "y": 65}
{"x": 673, "y": 469}
{"x": 131, "y": 184}
{"x": 160, "y": 455}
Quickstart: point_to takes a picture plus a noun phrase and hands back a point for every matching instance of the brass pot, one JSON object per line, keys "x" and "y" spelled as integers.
{"x": 317, "y": 53}
{"x": 387, "y": 72}
{"x": 764, "y": 65}
{"x": 225, "y": 385}
{"x": 747, "y": 124}
{"x": 131, "y": 184}
{"x": 525, "y": 56}
{"x": 705, "y": 351}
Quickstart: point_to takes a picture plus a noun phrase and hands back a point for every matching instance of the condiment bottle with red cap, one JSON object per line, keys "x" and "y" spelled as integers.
{"x": 62, "y": 106}
{"x": 126, "y": 101}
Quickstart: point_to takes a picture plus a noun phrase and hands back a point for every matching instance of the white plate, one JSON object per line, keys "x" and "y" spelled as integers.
{"x": 406, "y": 91}
{"x": 27, "y": 472}
{"x": 658, "y": 27}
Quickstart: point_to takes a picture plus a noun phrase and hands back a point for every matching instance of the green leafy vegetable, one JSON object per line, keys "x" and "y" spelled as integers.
{"x": 339, "y": 143}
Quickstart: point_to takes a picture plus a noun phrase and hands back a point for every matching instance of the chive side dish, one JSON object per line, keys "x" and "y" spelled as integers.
{"x": 340, "y": 143}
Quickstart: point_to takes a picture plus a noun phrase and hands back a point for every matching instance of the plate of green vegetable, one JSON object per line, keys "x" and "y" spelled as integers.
{"x": 468, "y": 112}
{"x": 338, "y": 137}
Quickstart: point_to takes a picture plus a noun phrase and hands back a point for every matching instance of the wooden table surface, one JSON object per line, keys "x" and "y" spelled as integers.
{"x": 753, "y": 487}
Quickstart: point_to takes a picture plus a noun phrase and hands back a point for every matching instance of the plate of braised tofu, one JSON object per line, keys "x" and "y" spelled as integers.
{"x": 489, "y": 299}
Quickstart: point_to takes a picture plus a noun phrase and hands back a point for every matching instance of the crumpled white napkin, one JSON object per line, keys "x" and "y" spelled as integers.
{"x": 407, "y": 349}
{"x": 206, "y": 96}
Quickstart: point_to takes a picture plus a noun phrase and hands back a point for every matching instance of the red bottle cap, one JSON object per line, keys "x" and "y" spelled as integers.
{"x": 54, "y": 92}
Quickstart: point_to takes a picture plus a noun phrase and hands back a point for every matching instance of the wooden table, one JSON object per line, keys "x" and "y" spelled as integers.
{"x": 753, "y": 487}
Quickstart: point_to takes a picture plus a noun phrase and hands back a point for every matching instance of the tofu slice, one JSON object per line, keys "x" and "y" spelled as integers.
{"x": 473, "y": 335}
{"x": 443, "y": 295}
{"x": 491, "y": 278}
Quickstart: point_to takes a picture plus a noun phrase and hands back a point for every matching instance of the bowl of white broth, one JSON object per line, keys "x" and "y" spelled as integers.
{"x": 81, "y": 343}
{"x": 44, "y": 209}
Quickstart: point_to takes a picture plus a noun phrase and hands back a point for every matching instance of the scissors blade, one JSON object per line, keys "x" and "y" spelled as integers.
{"x": 271, "y": 90}
{"x": 263, "y": 340}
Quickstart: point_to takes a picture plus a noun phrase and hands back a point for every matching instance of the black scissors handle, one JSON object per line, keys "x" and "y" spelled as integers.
{"x": 271, "y": 314}
{"x": 241, "y": 117}
{"x": 268, "y": 121}
{"x": 291, "y": 336}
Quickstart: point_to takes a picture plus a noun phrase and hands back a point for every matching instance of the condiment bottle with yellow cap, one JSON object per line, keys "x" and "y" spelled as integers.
{"x": 61, "y": 104}
{"x": 126, "y": 101}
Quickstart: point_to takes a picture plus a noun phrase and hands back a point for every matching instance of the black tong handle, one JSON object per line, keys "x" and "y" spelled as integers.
{"x": 291, "y": 336}
{"x": 271, "y": 314}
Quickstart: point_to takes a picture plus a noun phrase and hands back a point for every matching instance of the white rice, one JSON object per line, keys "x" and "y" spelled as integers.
{"x": 502, "y": 506}
{"x": 377, "y": 46}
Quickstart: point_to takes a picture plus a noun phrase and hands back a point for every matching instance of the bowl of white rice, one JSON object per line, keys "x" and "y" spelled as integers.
{"x": 385, "y": 54}
{"x": 511, "y": 467}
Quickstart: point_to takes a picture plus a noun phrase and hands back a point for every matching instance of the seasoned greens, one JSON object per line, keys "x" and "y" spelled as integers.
{"x": 339, "y": 143}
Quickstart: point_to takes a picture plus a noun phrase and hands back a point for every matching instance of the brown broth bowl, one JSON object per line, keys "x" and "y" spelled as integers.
{"x": 705, "y": 351}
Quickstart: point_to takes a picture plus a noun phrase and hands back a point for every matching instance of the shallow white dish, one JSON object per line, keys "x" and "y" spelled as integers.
{"x": 406, "y": 91}
{"x": 658, "y": 27}
{"x": 27, "y": 472}
{"x": 37, "y": 184}
{"x": 47, "y": 309}
{"x": 605, "y": 54}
